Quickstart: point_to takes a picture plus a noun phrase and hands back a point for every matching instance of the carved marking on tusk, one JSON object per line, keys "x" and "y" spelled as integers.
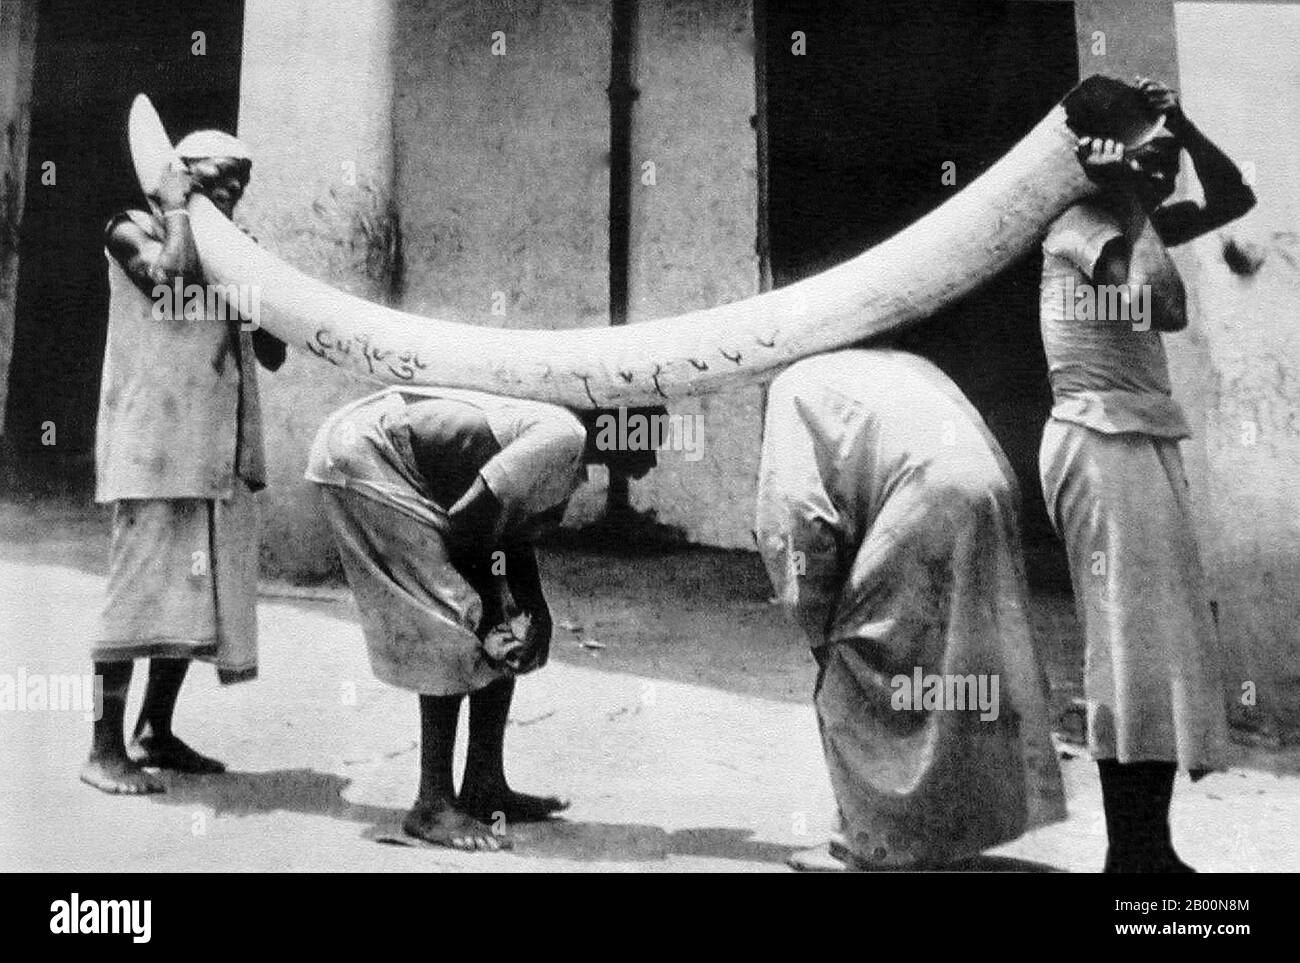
{"x": 769, "y": 341}
{"x": 655, "y": 378}
{"x": 585, "y": 379}
{"x": 733, "y": 358}
{"x": 699, "y": 365}
{"x": 625, "y": 375}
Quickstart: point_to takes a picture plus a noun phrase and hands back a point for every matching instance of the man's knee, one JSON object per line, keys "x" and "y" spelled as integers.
{"x": 975, "y": 482}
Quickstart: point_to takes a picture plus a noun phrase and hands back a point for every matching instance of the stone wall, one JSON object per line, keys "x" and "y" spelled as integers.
{"x": 693, "y": 241}
{"x": 315, "y": 108}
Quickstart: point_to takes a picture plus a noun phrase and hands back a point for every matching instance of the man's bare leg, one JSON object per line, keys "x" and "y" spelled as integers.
{"x": 435, "y": 817}
{"x": 484, "y": 792}
{"x": 154, "y": 744}
{"x": 109, "y": 768}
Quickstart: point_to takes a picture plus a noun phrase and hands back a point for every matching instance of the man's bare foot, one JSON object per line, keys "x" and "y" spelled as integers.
{"x": 119, "y": 776}
{"x": 515, "y": 807}
{"x": 168, "y": 752}
{"x": 834, "y": 857}
{"x": 440, "y": 824}
{"x": 818, "y": 859}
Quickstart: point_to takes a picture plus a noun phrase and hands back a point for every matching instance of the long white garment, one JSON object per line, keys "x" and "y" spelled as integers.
{"x": 887, "y": 521}
{"x": 1151, "y": 669}
{"x": 182, "y": 582}
{"x": 1115, "y": 488}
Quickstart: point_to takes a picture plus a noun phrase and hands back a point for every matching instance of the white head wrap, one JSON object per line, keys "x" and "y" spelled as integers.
{"x": 212, "y": 143}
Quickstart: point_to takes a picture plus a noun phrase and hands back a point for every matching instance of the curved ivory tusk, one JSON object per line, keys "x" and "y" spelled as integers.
{"x": 944, "y": 255}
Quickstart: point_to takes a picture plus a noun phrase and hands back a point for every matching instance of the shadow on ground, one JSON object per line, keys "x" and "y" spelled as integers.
{"x": 313, "y": 793}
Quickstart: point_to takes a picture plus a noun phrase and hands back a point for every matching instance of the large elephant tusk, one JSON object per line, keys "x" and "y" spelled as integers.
{"x": 946, "y": 254}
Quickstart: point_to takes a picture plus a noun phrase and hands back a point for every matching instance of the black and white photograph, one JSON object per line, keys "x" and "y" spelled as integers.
{"x": 825, "y": 438}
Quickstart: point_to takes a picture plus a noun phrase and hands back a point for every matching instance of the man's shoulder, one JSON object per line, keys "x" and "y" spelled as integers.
{"x": 1081, "y": 231}
{"x": 1086, "y": 217}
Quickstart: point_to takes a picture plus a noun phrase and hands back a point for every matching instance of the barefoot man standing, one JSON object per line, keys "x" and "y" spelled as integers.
{"x": 434, "y": 496}
{"x": 179, "y": 456}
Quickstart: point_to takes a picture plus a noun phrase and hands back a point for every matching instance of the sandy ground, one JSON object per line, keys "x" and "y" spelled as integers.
{"x": 683, "y": 737}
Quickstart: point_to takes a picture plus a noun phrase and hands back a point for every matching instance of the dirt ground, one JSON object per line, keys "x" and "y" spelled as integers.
{"x": 674, "y": 714}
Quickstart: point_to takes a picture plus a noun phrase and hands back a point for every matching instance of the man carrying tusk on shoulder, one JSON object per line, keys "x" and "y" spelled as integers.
{"x": 179, "y": 456}
{"x": 1113, "y": 475}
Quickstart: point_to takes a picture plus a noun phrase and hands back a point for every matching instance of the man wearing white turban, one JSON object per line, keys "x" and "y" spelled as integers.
{"x": 179, "y": 456}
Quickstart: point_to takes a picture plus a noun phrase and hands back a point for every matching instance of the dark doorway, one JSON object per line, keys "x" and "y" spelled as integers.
{"x": 92, "y": 58}
{"x": 858, "y": 130}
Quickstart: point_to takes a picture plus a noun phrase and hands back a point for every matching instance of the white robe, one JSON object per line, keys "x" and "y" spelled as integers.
{"x": 887, "y": 520}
